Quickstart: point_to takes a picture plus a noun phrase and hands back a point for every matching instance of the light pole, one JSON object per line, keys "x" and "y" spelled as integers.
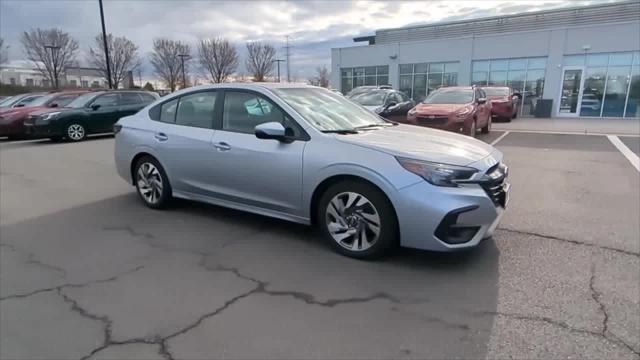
{"x": 106, "y": 48}
{"x": 184, "y": 79}
{"x": 278, "y": 61}
{"x": 54, "y": 63}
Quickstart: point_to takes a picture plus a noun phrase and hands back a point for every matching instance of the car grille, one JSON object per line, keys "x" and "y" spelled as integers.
{"x": 435, "y": 120}
{"x": 495, "y": 186}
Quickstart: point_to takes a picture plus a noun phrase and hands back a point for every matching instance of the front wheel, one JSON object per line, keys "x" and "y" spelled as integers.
{"x": 357, "y": 220}
{"x": 152, "y": 183}
{"x": 75, "y": 132}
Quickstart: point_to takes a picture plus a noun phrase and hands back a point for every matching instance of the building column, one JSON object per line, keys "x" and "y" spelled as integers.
{"x": 553, "y": 72}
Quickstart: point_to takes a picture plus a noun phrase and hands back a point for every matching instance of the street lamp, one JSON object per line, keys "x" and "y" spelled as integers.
{"x": 184, "y": 79}
{"x": 106, "y": 48}
{"x": 54, "y": 63}
{"x": 278, "y": 61}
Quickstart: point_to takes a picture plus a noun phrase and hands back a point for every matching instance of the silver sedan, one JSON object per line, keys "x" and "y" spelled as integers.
{"x": 308, "y": 155}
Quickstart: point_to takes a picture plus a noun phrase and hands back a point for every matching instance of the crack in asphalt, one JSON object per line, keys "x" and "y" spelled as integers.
{"x": 130, "y": 230}
{"x": 576, "y": 242}
{"x": 32, "y": 260}
{"x": 75, "y": 307}
{"x": 71, "y": 285}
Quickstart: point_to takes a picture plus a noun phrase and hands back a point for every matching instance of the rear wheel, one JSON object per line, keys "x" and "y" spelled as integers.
{"x": 152, "y": 183}
{"x": 357, "y": 220}
{"x": 75, "y": 132}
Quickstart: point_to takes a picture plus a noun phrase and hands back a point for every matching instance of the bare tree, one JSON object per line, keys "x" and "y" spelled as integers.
{"x": 322, "y": 77}
{"x": 218, "y": 58}
{"x": 260, "y": 57}
{"x": 166, "y": 60}
{"x": 51, "y": 51}
{"x": 4, "y": 51}
{"x": 123, "y": 57}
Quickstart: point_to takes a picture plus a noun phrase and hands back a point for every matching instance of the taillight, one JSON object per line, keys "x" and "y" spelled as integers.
{"x": 116, "y": 128}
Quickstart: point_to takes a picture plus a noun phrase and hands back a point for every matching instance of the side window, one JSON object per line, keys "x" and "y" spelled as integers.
{"x": 148, "y": 98}
{"x": 168, "y": 111}
{"x": 197, "y": 110}
{"x": 63, "y": 100}
{"x": 106, "y": 100}
{"x": 398, "y": 98}
{"x": 244, "y": 111}
{"x": 130, "y": 99}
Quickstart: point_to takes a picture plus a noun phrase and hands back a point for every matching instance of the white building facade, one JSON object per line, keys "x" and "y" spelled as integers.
{"x": 23, "y": 73}
{"x": 585, "y": 60}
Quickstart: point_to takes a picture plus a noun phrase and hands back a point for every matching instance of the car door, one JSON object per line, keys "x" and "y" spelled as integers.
{"x": 263, "y": 173}
{"x": 182, "y": 138}
{"x": 103, "y": 112}
{"x": 129, "y": 104}
{"x": 399, "y": 111}
{"x": 483, "y": 111}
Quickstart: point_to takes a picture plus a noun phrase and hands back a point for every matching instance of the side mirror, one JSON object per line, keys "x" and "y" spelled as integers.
{"x": 271, "y": 130}
{"x": 481, "y": 100}
{"x": 95, "y": 107}
{"x": 517, "y": 95}
{"x": 54, "y": 105}
{"x": 390, "y": 105}
{"x": 19, "y": 105}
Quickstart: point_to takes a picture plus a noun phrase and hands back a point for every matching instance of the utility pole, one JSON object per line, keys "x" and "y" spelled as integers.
{"x": 106, "y": 48}
{"x": 184, "y": 78}
{"x": 54, "y": 62}
{"x": 278, "y": 61}
{"x": 287, "y": 47}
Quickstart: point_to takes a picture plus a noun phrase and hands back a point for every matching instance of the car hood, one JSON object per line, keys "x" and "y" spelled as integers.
{"x": 371, "y": 107}
{"x": 438, "y": 109}
{"x": 427, "y": 144}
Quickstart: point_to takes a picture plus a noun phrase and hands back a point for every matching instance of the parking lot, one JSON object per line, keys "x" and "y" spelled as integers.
{"x": 87, "y": 271}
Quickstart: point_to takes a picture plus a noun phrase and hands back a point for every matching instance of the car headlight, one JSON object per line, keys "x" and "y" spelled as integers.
{"x": 412, "y": 112}
{"x": 436, "y": 173}
{"x": 45, "y": 118}
{"x": 462, "y": 114}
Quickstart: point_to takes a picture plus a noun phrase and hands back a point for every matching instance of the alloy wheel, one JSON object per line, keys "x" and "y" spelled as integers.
{"x": 75, "y": 132}
{"x": 353, "y": 221}
{"x": 149, "y": 183}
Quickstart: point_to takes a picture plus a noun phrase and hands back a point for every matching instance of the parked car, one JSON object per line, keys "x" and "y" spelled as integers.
{"x": 361, "y": 89}
{"x": 19, "y": 100}
{"x": 457, "y": 108}
{"x": 12, "y": 119}
{"x": 388, "y": 103}
{"x": 91, "y": 113}
{"x": 504, "y": 102}
{"x": 315, "y": 157}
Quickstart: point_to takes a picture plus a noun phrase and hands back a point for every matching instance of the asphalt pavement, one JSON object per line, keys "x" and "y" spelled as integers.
{"x": 86, "y": 271}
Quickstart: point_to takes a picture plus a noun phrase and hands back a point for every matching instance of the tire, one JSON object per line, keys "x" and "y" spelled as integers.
{"x": 152, "y": 183}
{"x": 370, "y": 213}
{"x": 487, "y": 128}
{"x": 75, "y": 132}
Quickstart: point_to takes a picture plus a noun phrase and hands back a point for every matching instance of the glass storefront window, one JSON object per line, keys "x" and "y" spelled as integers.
{"x": 592, "y": 91}
{"x": 574, "y": 60}
{"x": 621, "y": 59}
{"x": 516, "y": 80}
{"x": 479, "y": 78}
{"x": 481, "y": 65}
{"x": 616, "y": 91}
{"x": 359, "y": 76}
{"x": 517, "y": 64}
{"x": 537, "y": 63}
{"x": 497, "y": 78}
{"x": 418, "y": 80}
{"x": 633, "y": 103}
{"x": 499, "y": 65}
{"x": 597, "y": 59}
{"x": 532, "y": 91}
{"x": 636, "y": 58}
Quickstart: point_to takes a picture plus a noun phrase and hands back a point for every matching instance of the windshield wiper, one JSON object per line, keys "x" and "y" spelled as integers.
{"x": 369, "y": 126}
{"x": 340, "y": 131}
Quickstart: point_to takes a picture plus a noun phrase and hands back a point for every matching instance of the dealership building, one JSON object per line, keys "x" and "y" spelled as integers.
{"x": 580, "y": 61}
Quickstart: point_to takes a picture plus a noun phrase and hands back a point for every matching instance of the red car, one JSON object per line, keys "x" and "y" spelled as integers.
{"x": 456, "y": 108}
{"x": 504, "y": 102}
{"x": 12, "y": 118}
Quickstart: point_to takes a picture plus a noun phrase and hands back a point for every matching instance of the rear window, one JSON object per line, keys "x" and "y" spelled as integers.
{"x": 130, "y": 99}
{"x": 450, "y": 97}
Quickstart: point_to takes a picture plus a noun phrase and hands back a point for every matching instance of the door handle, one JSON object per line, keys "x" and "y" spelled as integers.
{"x": 222, "y": 146}
{"x": 161, "y": 137}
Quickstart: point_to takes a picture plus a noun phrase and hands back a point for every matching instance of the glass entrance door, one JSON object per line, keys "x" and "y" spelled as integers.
{"x": 571, "y": 91}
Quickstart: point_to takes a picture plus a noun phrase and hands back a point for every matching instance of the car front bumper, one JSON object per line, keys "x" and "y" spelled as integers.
{"x": 33, "y": 130}
{"x": 422, "y": 209}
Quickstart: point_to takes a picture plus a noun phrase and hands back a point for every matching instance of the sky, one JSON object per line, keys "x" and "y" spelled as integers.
{"x": 314, "y": 27}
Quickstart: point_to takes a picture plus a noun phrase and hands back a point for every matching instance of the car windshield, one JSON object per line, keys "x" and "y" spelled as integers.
{"x": 82, "y": 100}
{"x": 450, "y": 97}
{"x": 495, "y": 91}
{"x": 370, "y": 98}
{"x": 6, "y": 101}
{"x": 42, "y": 100}
{"x": 327, "y": 111}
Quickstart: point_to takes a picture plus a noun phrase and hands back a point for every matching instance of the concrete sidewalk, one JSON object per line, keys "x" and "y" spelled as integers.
{"x": 612, "y": 126}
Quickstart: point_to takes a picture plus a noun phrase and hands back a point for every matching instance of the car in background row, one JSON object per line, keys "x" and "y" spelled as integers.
{"x": 504, "y": 102}
{"x": 91, "y": 113}
{"x": 369, "y": 184}
{"x": 12, "y": 119}
{"x": 361, "y": 89}
{"x": 388, "y": 103}
{"x": 458, "y": 109}
{"x": 19, "y": 100}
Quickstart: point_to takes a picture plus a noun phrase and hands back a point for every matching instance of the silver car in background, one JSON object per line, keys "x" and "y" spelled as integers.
{"x": 308, "y": 155}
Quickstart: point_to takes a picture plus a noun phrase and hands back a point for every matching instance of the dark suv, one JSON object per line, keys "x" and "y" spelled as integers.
{"x": 390, "y": 104}
{"x": 91, "y": 113}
